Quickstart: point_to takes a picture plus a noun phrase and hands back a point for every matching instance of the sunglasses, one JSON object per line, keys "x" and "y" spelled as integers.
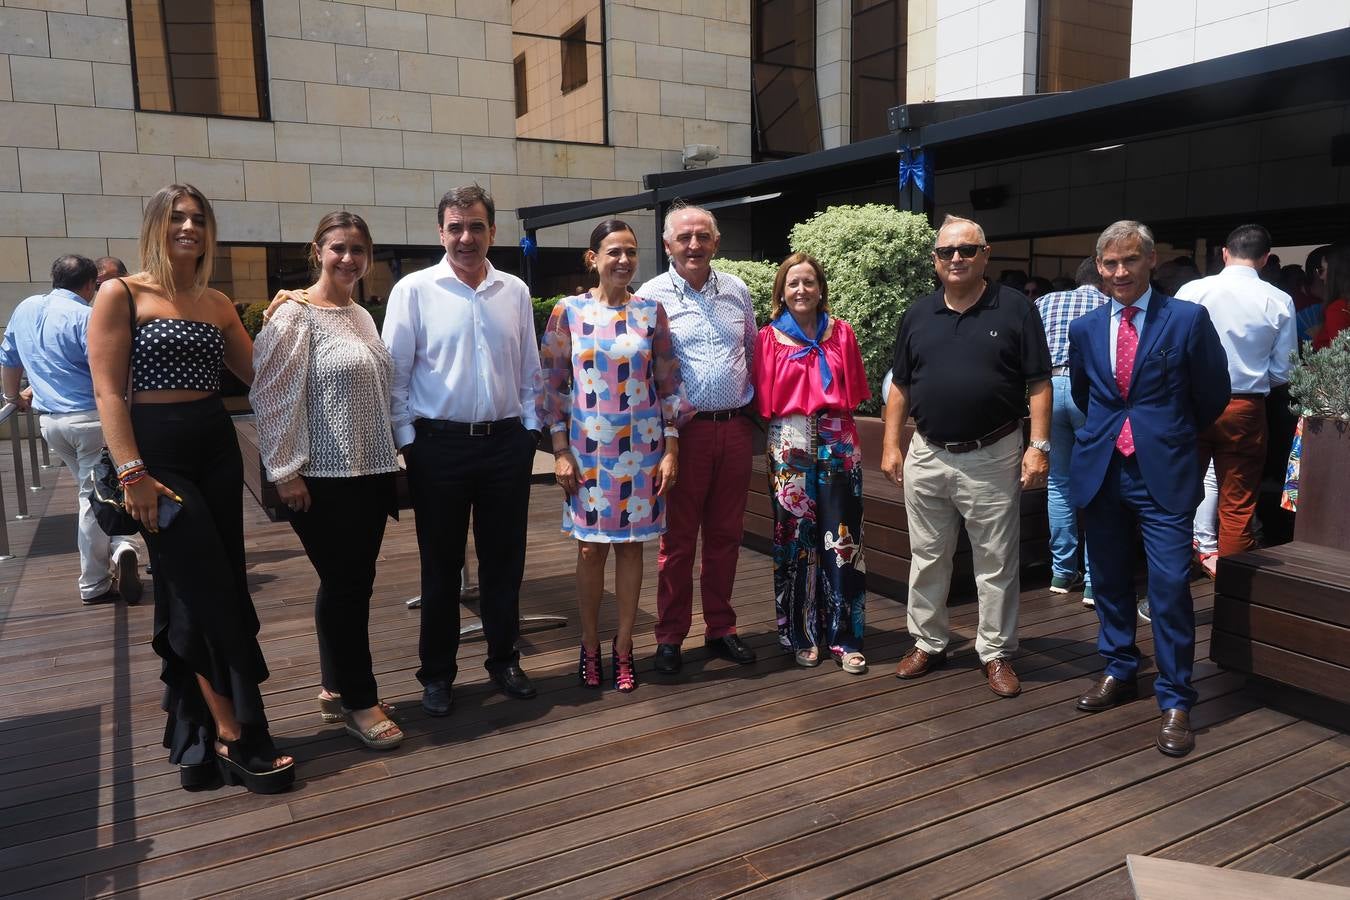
{"x": 967, "y": 251}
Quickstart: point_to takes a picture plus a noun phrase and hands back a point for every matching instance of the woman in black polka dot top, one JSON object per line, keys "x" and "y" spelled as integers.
{"x": 175, "y": 440}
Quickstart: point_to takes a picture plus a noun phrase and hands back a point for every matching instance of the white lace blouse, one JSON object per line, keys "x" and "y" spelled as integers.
{"x": 321, "y": 394}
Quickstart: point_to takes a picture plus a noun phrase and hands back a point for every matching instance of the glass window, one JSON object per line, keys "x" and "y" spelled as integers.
{"x": 1082, "y": 43}
{"x": 785, "y": 111}
{"x": 199, "y": 56}
{"x": 559, "y": 55}
{"x": 522, "y": 87}
{"x": 879, "y": 40}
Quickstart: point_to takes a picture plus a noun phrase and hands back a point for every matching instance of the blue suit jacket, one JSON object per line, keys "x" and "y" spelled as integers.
{"x": 1178, "y": 388}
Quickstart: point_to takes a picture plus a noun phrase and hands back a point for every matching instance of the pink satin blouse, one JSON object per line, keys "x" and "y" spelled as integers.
{"x": 786, "y": 386}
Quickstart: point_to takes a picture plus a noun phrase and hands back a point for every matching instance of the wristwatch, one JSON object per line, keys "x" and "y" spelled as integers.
{"x": 1043, "y": 446}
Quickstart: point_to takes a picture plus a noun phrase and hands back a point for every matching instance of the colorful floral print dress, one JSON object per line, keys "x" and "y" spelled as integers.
{"x": 612, "y": 381}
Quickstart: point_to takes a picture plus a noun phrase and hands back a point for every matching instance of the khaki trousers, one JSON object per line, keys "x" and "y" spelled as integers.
{"x": 982, "y": 487}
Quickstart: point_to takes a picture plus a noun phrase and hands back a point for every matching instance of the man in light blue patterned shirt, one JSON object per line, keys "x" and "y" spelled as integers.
{"x": 1057, "y": 310}
{"x": 712, "y": 327}
{"x": 48, "y": 338}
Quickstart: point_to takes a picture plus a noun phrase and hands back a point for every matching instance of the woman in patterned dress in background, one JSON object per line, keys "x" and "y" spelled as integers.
{"x": 321, "y": 395}
{"x": 613, "y": 404}
{"x": 809, "y": 377}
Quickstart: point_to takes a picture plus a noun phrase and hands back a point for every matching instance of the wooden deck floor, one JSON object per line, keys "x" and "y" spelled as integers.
{"x": 771, "y": 781}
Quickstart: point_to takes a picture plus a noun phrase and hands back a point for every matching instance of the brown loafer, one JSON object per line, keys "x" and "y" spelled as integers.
{"x": 1175, "y": 737}
{"x": 1002, "y": 679}
{"x": 917, "y": 663}
{"x": 1108, "y": 691}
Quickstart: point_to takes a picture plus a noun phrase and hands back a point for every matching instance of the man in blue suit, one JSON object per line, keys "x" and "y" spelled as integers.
{"x": 1149, "y": 373}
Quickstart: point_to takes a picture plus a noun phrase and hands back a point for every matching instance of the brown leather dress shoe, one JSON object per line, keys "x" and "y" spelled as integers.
{"x": 1175, "y": 737}
{"x": 1002, "y": 679}
{"x": 917, "y": 663}
{"x": 1106, "y": 692}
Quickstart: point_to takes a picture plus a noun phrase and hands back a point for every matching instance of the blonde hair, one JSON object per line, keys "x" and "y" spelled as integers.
{"x": 780, "y": 283}
{"x": 155, "y": 237}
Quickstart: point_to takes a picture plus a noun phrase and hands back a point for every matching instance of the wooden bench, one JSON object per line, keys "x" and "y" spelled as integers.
{"x": 1283, "y": 613}
{"x": 886, "y": 528}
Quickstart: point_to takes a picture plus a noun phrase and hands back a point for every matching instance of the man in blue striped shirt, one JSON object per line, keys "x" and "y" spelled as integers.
{"x": 1057, "y": 310}
{"x": 47, "y": 336}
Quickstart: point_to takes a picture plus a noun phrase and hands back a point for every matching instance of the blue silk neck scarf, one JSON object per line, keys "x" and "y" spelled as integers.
{"x": 788, "y": 325}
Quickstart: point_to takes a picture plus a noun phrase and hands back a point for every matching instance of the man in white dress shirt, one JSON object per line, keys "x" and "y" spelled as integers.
{"x": 1256, "y": 326}
{"x": 466, "y": 374}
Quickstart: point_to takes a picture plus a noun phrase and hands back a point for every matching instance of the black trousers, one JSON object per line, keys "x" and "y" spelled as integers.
{"x": 452, "y": 476}
{"x": 205, "y": 623}
{"x": 342, "y": 532}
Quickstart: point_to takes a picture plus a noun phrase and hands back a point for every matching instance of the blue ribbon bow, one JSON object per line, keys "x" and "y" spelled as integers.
{"x": 528, "y": 248}
{"x": 914, "y": 166}
{"x": 788, "y": 325}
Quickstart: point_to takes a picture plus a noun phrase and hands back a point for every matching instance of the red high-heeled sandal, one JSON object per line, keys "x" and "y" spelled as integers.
{"x": 590, "y": 672}
{"x": 625, "y": 679}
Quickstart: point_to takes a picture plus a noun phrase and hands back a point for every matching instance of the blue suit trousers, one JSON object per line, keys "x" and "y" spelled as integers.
{"x": 1124, "y": 501}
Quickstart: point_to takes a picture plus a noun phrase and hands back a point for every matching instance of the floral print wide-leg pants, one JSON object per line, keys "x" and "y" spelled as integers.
{"x": 815, "y": 484}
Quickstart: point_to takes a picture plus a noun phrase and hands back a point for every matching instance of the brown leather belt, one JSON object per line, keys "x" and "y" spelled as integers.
{"x": 994, "y": 436}
{"x": 721, "y": 415}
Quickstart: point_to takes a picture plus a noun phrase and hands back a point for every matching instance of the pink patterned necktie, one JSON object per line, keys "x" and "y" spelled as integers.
{"x": 1127, "y": 343}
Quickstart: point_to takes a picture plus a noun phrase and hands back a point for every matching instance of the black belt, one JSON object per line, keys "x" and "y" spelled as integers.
{"x": 721, "y": 415}
{"x": 1246, "y": 396}
{"x": 997, "y": 434}
{"x": 472, "y": 429}
{"x": 1059, "y": 370}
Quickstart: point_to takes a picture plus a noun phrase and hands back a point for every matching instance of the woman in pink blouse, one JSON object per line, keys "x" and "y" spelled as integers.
{"x": 808, "y": 379}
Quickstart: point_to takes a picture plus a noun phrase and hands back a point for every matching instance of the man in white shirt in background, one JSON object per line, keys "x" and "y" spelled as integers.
{"x": 1256, "y": 325}
{"x": 466, "y": 375}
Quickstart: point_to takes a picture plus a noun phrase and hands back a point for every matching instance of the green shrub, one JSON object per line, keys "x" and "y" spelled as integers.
{"x": 758, "y": 277}
{"x": 543, "y": 308}
{"x": 253, "y": 317}
{"x": 876, "y": 260}
{"x": 376, "y": 311}
{"x": 1320, "y": 388}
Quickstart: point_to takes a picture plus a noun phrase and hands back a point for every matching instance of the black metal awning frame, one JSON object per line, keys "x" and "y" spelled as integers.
{"x": 1296, "y": 73}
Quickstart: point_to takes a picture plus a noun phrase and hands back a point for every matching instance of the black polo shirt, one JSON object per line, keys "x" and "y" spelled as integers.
{"x": 967, "y": 373}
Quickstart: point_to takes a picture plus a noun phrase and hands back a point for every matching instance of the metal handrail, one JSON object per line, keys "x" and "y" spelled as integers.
{"x": 8, "y": 414}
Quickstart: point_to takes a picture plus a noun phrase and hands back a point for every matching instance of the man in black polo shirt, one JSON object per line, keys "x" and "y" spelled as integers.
{"x": 966, "y": 357}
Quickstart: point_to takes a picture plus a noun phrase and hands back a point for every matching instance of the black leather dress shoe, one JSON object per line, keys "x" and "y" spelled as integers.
{"x": 514, "y": 682}
{"x": 1175, "y": 737}
{"x": 731, "y": 647}
{"x": 438, "y": 698}
{"x": 1108, "y": 691}
{"x": 667, "y": 660}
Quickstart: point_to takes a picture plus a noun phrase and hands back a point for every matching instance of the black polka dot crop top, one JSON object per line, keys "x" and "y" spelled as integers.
{"x": 177, "y": 354}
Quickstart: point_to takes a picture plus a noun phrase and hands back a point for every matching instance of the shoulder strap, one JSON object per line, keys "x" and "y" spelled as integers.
{"x": 131, "y": 326}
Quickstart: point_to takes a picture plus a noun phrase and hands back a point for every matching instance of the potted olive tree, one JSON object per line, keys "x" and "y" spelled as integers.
{"x": 1320, "y": 389}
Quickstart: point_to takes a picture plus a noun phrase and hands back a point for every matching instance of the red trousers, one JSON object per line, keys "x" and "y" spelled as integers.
{"x": 709, "y": 495}
{"x": 1237, "y": 444}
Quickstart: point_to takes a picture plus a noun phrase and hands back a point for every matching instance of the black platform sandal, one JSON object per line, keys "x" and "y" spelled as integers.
{"x": 250, "y": 761}
{"x": 200, "y": 777}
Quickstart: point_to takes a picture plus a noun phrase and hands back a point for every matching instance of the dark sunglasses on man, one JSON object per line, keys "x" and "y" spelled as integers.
{"x": 966, "y": 251}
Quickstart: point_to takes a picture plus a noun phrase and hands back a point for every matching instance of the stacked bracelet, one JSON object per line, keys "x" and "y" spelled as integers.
{"x": 132, "y": 477}
{"x": 129, "y": 465}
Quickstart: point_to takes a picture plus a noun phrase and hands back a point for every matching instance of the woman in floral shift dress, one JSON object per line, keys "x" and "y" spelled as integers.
{"x": 808, "y": 379}
{"x": 613, "y": 405}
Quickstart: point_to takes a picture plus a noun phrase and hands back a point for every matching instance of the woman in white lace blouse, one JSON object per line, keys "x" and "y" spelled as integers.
{"x": 321, "y": 395}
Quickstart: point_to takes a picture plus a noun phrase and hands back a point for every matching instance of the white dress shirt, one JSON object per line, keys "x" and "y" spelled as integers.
{"x": 462, "y": 354}
{"x": 1256, "y": 326}
{"x": 1138, "y": 322}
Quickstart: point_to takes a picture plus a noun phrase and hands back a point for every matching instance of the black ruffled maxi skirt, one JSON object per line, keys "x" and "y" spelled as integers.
{"x": 205, "y": 623}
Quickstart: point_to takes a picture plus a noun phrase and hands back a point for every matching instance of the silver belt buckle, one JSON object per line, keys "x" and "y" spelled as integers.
{"x": 480, "y": 429}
